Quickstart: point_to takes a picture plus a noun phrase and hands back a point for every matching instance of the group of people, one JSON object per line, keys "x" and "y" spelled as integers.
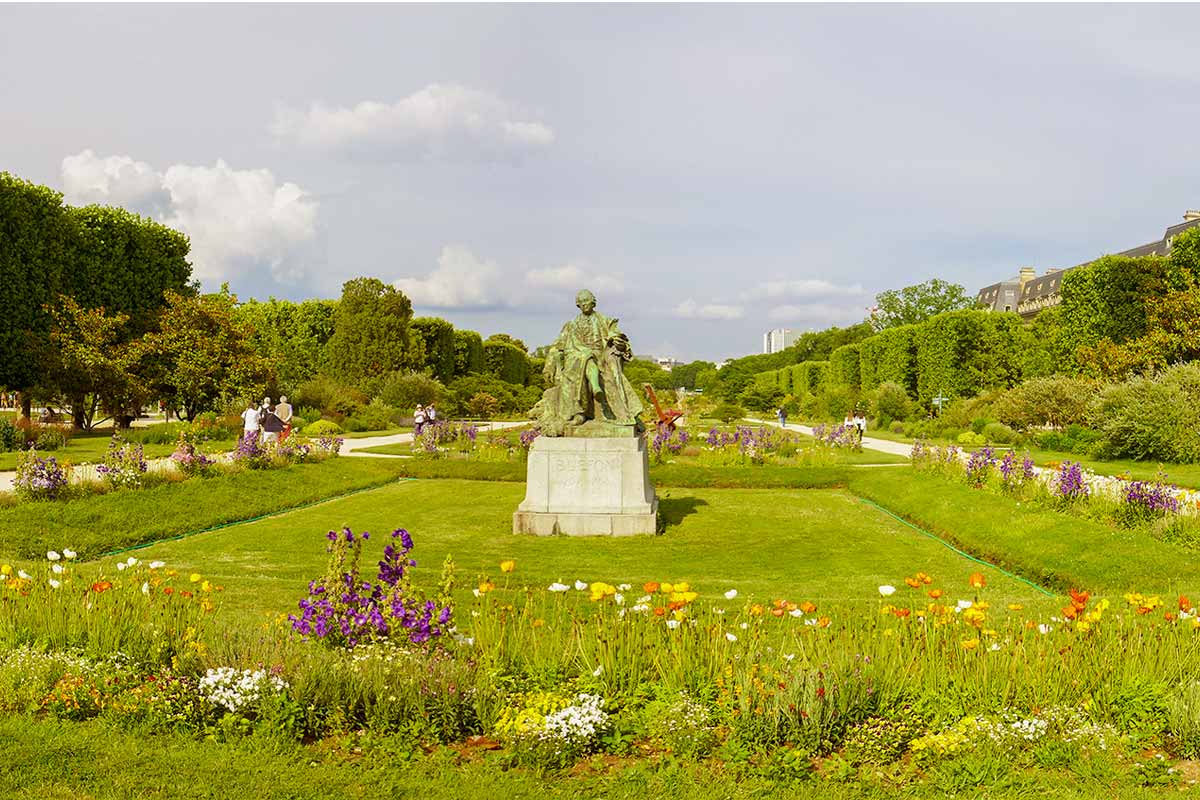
{"x": 857, "y": 422}
{"x": 424, "y": 415}
{"x": 268, "y": 422}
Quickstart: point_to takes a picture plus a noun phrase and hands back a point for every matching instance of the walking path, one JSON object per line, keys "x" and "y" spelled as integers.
{"x": 882, "y": 445}
{"x": 350, "y": 447}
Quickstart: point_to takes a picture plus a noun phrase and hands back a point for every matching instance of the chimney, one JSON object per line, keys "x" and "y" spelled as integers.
{"x": 1027, "y": 274}
{"x": 1190, "y": 215}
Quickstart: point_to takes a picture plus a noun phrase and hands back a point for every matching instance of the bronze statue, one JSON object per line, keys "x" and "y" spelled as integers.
{"x": 588, "y": 392}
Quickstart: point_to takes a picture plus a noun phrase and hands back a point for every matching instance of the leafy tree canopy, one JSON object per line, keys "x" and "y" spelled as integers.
{"x": 914, "y": 304}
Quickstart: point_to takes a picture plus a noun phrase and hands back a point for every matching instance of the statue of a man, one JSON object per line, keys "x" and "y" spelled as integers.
{"x": 583, "y": 372}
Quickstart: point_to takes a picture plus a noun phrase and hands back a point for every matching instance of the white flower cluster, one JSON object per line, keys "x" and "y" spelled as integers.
{"x": 235, "y": 690}
{"x": 577, "y": 724}
{"x": 1065, "y": 724}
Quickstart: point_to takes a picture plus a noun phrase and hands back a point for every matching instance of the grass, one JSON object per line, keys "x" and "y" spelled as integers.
{"x": 95, "y": 524}
{"x": 671, "y": 474}
{"x": 49, "y": 760}
{"x": 86, "y": 448}
{"x": 822, "y": 545}
{"x": 1055, "y": 549}
{"x": 372, "y": 434}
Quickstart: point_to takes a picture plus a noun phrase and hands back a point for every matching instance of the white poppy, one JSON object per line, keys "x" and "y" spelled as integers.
{"x": 580, "y": 586}
{"x": 731, "y": 637}
{"x": 598, "y": 671}
{"x": 54, "y": 584}
{"x": 557, "y": 587}
{"x": 157, "y": 564}
{"x": 57, "y": 569}
{"x": 70, "y": 554}
{"x": 145, "y": 588}
{"x": 732, "y": 593}
{"x": 53, "y": 556}
{"x": 887, "y": 590}
{"x": 672, "y": 624}
{"x": 25, "y": 576}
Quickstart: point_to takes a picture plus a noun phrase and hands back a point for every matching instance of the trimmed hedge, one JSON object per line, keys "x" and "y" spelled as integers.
{"x": 843, "y": 366}
{"x": 889, "y": 356}
{"x": 507, "y": 362}
{"x": 961, "y": 353}
{"x": 809, "y": 375}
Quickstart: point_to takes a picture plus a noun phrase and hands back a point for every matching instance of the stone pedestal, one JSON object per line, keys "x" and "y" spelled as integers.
{"x": 587, "y": 487}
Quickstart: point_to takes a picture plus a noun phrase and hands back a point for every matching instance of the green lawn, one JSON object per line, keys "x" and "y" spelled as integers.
{"x": 821, "y": 545}
{"x": 96, "y": 524}
{"x": 373, "y": 434}
{"x": 49, "y": 760}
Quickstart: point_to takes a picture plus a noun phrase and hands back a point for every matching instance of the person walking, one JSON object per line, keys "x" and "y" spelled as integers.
{"x": 250, "y": 420}
{"x": 283, "y": 410}
{"x": 418, "y": 420}
{"x": 430, "y": 414}
{"x": 860, "y": 424}
{"x": 272, "y": 425}
{"x": 779, "y": 412}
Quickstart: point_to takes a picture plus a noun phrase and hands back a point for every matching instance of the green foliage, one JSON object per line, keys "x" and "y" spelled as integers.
{"x": 687, "y": 376}
{"x": 371, "y": 332}
{"x": 482, "y": 405}
{"x": 761, "y": 398}
{"x": 377, "y": 416}
{"x": 641, "y": 371}
{"x": 506, "y": 361}
{"x": 728, "y": 412}
{"x": 330, "y": 396}
{"x": 406, "y": 391}
{"x": 1050, "y": 401}
{"x": 843, "y": 366}
{"x": 1106, "y": 299}
{"x": 438, "y": 343}
{"x": 35, "y": 248}
{"x": 808, "y": 377}
{"x": 915, "y": 304}
{"x": 999, "y": 433}
{"x": 203, "y": 355}
{"x": 291, "y": 336}
{"x": 960, "y": 354}
{"x": 891, "y": 356}
{"x": 1155, "y": 419}
{"x": 322, "y": 427}
{"x": 891, "y": 402}
{"x": 882, "y": 740}
{"x": 1047, "y": 350}
{"x": 468, "y": 353}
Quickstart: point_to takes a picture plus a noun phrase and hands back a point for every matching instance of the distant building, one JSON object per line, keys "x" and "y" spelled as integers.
{"x": 778, "y": 339}
{"x": 1027, "y": 294}
{"x": 667, "y": 363}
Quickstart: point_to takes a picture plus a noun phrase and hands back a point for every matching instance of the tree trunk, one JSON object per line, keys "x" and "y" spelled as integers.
{"x": 79, "y": 413}
{"x": 26, "y": 406}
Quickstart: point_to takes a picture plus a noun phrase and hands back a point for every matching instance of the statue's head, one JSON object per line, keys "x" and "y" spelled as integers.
{"x": 585, "y": 301}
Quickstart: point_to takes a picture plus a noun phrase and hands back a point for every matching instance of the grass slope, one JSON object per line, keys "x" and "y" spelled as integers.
{"x": 96, "y": 524}
{"x": 1055, "y": 549}
{"x": 821, "y": 545}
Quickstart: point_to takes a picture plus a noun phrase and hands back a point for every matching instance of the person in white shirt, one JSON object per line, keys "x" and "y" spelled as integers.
{"x": 250, "y": 419}
{"x": 860, "y": 423}
{"x": 431, "y": 413}
{"x": 418, "y": 420}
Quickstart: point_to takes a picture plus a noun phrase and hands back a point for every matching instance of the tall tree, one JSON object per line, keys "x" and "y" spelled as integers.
{"x": 437, "y": 339}
{"x": 371, "y": 335}
{"x": 93, "y": 350}
{"x": 203, "y": 354}
{"x": 34, "y": 249}
{"x": 914, "y": 304}
{"x": 291, "y": 335}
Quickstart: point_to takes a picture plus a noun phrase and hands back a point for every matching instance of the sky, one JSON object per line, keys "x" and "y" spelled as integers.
{"x": 710, "y": 172}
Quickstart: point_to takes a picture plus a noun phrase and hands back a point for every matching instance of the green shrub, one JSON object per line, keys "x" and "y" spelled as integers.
{"x": 999, "y": 433}
{"x": 50, "y": 439}
{"x": 897, "y": 427}
{"x": 891, "y": 401}
{"x": 378, "y": 416}
{"x": 758, "y": 398}
{"x": 406, "y": 391}
{"x": 979, "y": 423}
{"x": 1055, "y": 401}
{"x": 728, "y": 412}
{"x": 1152, "y": 419}
{"x": 970, "y": 439}
{"x": 330, "y": 395}
{"x": 8, "y": 435}
{"x": 160, "y": 433}
{"x": 322, "y": 427}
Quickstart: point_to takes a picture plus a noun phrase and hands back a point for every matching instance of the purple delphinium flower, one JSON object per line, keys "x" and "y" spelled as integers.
{"x": 1071, "y": 484}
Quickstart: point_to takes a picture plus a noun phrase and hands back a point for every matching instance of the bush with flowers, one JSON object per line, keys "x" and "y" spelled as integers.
{"x": 40, "y": 477}
{"x": 124, "y": 465}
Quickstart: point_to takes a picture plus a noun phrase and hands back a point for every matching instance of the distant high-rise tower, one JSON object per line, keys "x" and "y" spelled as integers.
{"x": 778, "y": 339}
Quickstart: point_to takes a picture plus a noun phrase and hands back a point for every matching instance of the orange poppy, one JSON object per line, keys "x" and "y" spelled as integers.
{"x": 914, "y": 583}
{"x": 778, "y": 612}
{"x": 977, "y": 580}
{"x": 808, "y": 607}
{"x": 658, "y": 612}
{"x": 1079, "y": 599}
{"x": 651, "y": 587}
{"x": 823, "y": 622}
{"x": 923, "y": 578}
{"x": 1170, "y": 616}
{"x": 1070, "y": 612}
{"x": 901, "y": 612}
{"x": 935, "y": 593}
{"x": 101, "y": 586}
{"x": 1184, "y": 603}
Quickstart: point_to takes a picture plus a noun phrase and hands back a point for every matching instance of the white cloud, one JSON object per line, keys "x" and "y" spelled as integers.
{"x": 690, "y": 309}
{"x": 460, "y": 280}
{"x": 238, "y": 221}
{"x": 571, "y": 277}
{"x": 440, "y": 122}
{"x": 803, "y": 289}
{"x": 464, "y": 281}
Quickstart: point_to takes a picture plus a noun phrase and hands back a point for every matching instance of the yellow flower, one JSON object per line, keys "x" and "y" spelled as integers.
{"x": 1082, "y": 625}
{"x": 486, "y": 586}
{"x": 194, "y": 577}
{"x": 970, "y": 644}
{"x": 6, "y": 569}
{"x": 601, "y": 590}
{"x": 205, "y": 586}
{"x": 683, "y": 587}
{"x": 508, "y": 566}
{"x": 1015, "y": 607}
{"x": 974, "y": 617}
